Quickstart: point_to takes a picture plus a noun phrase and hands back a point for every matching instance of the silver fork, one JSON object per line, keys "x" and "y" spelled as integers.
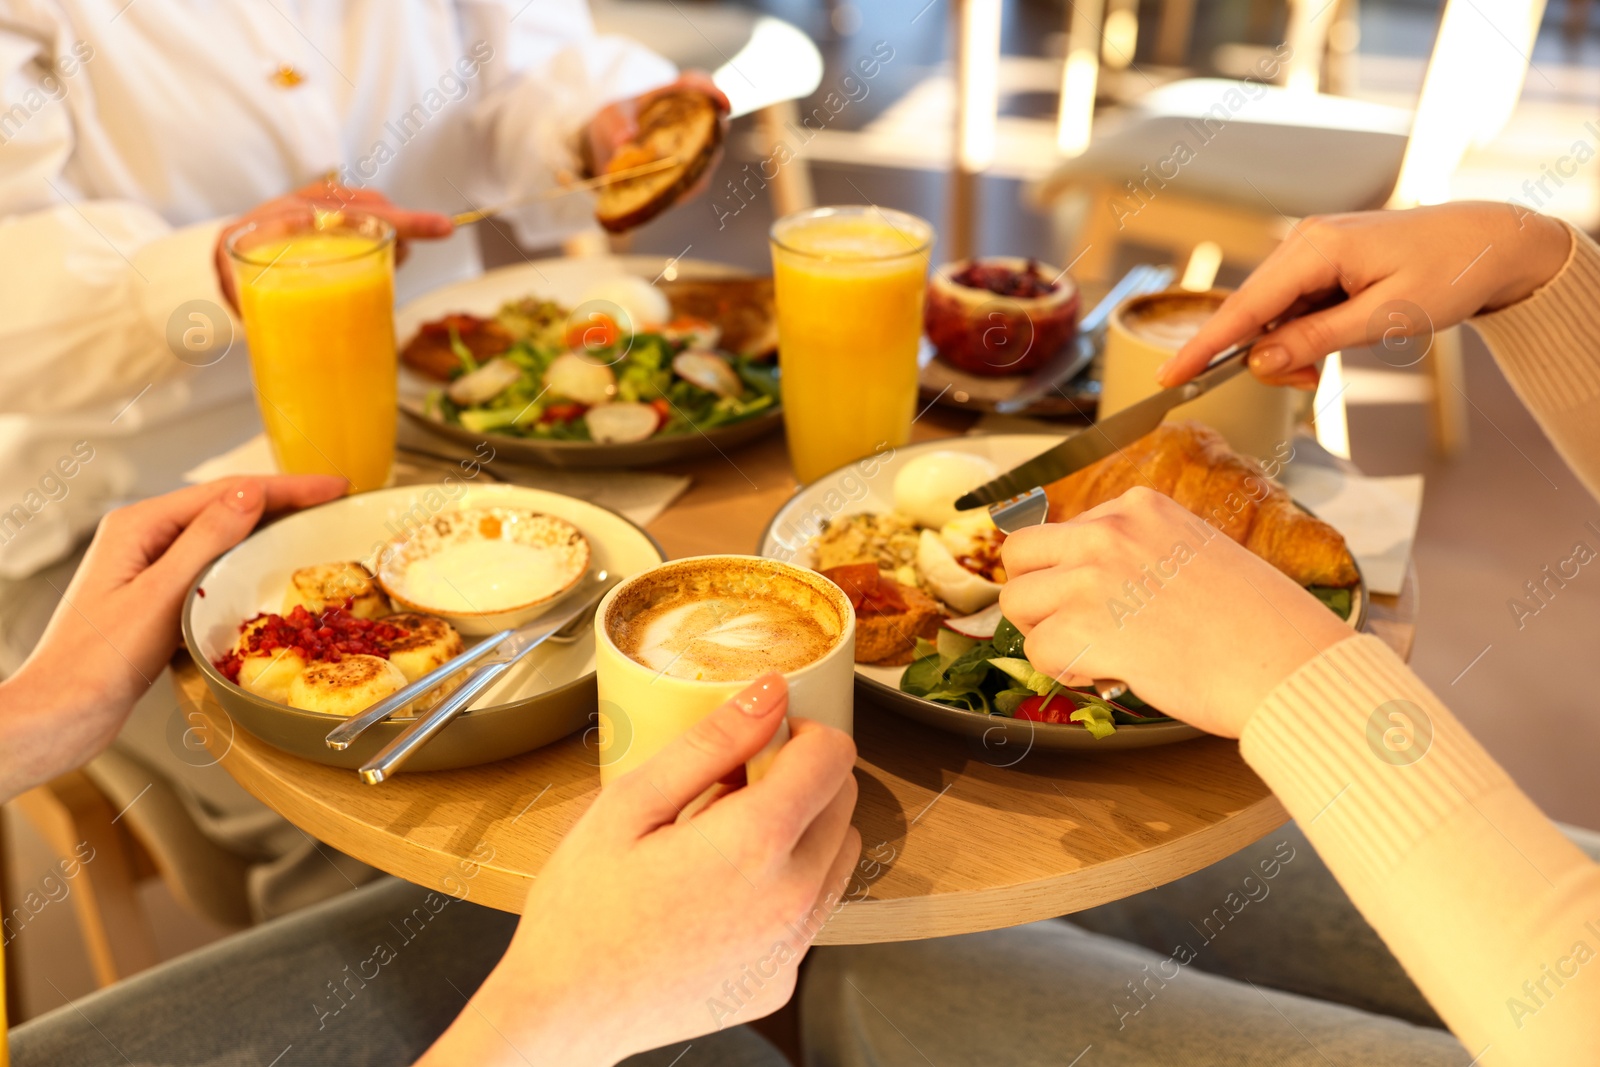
{"x": 1031, "y": 509}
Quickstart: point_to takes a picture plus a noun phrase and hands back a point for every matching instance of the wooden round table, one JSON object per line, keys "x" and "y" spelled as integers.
{"x": 954, "y": 839}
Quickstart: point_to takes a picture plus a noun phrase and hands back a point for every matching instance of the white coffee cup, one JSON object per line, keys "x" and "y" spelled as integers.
{"x": 642, "y": 708}
{"x": 1255, "y": 418}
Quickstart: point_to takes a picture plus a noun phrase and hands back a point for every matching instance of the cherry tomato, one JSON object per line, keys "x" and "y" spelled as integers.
{"x": 1059, "y": 709}
{"x": 601, "y": 331}
{"x": 562, "y": 413}
{"x": 663, "y": 409}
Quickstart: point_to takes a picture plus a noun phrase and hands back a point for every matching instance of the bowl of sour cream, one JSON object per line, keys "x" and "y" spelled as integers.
{"x": 484, "y": 569}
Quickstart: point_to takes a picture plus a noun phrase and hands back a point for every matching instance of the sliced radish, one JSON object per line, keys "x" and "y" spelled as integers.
{"x": 695, "y": 333}
{"x": 576, "y": 378}
{"x": 710, "y": 372}
{"x": 622, "y": 424}
{"x": 981, "y": 626}
{"x": 485, "y": 383}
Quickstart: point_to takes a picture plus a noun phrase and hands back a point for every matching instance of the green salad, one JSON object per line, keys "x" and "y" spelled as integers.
{"x": 595, "y": 382}
{"x": 994, "y": 677}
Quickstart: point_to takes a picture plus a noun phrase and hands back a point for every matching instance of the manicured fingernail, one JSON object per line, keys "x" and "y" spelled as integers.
{"x": 1163, "y": 371}
{"x": 763, "y": 696}
{"x": 1269, "y": 360}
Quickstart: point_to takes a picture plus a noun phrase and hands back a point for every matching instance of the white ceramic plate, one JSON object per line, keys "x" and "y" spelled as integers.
{"x": 868, "y": 486}
{"x": 564, "y": 281}
{"x": 553, "y": 689}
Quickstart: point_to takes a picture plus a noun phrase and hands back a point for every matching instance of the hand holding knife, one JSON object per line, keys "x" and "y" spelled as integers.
{"x": 1017, "y": 498}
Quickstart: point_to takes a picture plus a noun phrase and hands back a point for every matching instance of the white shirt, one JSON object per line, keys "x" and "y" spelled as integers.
{"x": 128, "y": 130}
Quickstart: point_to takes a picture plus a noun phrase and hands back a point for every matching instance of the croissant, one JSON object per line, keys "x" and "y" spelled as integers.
{"x": 1193, "y": 465}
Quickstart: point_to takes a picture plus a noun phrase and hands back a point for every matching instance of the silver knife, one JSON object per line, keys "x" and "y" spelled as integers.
{"x": 1111, "y": 434}
{"x": 1072, "y": 360}
{"x": 1116, "y": 432}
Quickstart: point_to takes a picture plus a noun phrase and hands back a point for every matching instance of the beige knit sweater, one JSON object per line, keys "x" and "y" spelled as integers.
{"x": 1494, "y": 913}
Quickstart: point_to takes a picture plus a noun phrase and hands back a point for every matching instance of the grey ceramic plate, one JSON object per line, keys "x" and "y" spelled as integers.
{"x": 564, "y": 281}
{"x": 545, "y": 698}
{"x": 869, "y": 486}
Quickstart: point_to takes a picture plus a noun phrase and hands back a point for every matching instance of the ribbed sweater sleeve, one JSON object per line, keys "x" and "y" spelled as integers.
{"x": 1493, "y": 913}
{"x": 1549, "y": 347}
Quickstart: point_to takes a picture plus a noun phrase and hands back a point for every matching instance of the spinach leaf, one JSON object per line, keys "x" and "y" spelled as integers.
{"x": 1336, "y": 599}
{"x": 1008, "y": 639}
{"x": 922, "y": 676}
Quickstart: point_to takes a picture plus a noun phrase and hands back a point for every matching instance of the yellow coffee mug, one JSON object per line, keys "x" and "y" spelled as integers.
{"x": 1146, "y": 331}
{"x": 643, "y": 708}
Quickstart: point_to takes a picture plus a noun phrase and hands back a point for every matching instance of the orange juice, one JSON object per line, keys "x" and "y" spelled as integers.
{"x": 849, "y": 286}
{"x": 318, "y": 309}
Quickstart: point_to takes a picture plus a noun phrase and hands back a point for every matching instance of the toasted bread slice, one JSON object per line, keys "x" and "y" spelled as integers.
{"x": 347, "y": 687}
{"x": 891, "y": 639}
{"x": 681, "y": 123}
{"x": 329, "y": 585}
{"x": 743, "y": 309}
{"x": 429, "y": 353}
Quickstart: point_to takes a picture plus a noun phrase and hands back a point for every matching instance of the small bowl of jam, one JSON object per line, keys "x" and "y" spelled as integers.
{"x": 1000, "y": 315}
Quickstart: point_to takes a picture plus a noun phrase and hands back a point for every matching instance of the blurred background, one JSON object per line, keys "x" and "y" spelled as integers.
{"x": 1051, "y": 129}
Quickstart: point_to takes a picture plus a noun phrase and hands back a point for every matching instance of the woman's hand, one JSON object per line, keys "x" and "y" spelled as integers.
{"x": 326, "y": 194}
{"x": 117, "y": 624}
{"x": 1405, "y": 273}
{"x": 643, "y": 929}
{"x": 1142, "y": 590}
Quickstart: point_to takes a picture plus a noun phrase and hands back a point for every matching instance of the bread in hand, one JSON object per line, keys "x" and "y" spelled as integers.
{"x": 681, "y": 124}
{"x": 1193, "y": 464}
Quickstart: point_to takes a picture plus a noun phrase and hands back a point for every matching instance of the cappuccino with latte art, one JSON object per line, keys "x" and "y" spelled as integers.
{"x": 676, "y": 641}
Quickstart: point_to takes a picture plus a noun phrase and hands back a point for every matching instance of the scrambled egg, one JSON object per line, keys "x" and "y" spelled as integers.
{"x": 888, "y": 540}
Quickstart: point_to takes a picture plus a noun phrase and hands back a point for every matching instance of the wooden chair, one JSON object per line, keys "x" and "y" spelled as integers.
{"x": 1278, "y": 154}
{"x": 71, "y": 814}
{"x": 133, "y": 824}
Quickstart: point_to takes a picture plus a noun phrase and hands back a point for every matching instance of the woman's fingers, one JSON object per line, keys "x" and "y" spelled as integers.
{"x": 701, "y": 81}
{"x": 1305, "y": 379}
{"x": 281, "y": 492}
{"x": 656, "y": 792}
{"x": 288, "y": 492}
{"x": 149, "y": 527}
{"x": 803, "y": 780}
{"x": 1292, "y": 271}
{"x": 1305, "y": 340}
{"x": 835, "y": 883}
{"x": 816, "y": 849}
{"x": 1028, "y": 599}
{"x": 220, "y": 525}
{"x": 412, "y": 225}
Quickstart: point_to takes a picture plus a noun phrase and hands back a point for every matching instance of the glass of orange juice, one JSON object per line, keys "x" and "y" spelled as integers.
{"x": 849, "y": 286}
{"x": 316, "y": 290}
